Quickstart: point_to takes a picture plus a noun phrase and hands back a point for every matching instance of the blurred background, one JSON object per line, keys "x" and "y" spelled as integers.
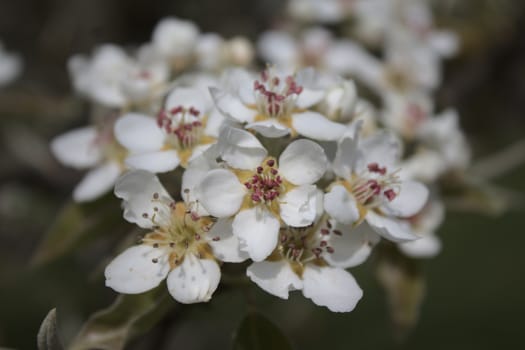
{"x": 474, "y": 288}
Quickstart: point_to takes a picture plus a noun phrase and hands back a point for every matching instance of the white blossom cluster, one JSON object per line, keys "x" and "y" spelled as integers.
{"x": 285, "y": 167}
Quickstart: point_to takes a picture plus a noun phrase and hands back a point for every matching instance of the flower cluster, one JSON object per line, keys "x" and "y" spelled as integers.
{"x": 284, "y": 167}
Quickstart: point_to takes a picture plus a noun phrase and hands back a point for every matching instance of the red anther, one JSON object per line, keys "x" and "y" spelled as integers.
{"x": 155, "y": 260}
{"x": 337, "y": 232}
{"x": 298, "y": 90}
{"x": 176, "y": 110}
{"x": 296, "y": 252}
{"x": 270, "y": 162}
{"x": 280, "y": 98}
{"x": 145, "y": 215}
{"x": 328, "y": 224}
{"x": 215, "y": 239}
{"x": 256, "y": 197}
{"x": 193, "y": 111}
{"x": 289, "y": 80}
{"x": 325, "y": 231}
{"x": 390, "y": 194}
{"x": 187, "y": 127}
{"x": 278, "y": 179}
{"x": 155, "y": 245}
{"x": 323, "y": 244}
{"x": 197, "y": 236}
{"x": 195, "y": 216}
{"x": 284, "y": 238}
{"x": 274, "y": 171}
{"x": 276, "y": 81}
{"x": 317, "y": 251}
{"x": 248, "y": 185}
{"x": 260, "y": 169}
{"x": 155, "y": 195}
{"x": 196, "y": 123}
{"x": 330, "y": 250}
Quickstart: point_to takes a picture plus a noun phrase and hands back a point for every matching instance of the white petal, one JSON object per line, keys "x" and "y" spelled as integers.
{"x": 410, "y": 200}
{"x": 136, "y": 188}
{"x": 299, "y": 206}
{"x": 331, "y": 287}
{"x": 352, "y": 247}
{"x": 278, "y": 48}
{"x": 258, "y": 231}
{"x": 77, "y": 148}
{"x": 232, "y": 106}
{"x": 427, "y": 246}
{"x": 224, "y": 244}
{"x": 382, "y": 148}
{"x": 221, "y": 193}
{"x": 155, "y": 162}
{"x": 316, "y": 126}
{"x": 396, "y": 230}
{"x": 274, "y": 277}
{"x": 348, "y": 153}
{"x": 240, "y": 149}
{"x": 312, "y": 92}
{"x": 139, "y": 133}
{"x": 187, "y": 98}
{"x": 196, "y": 170}
{"x": 194, "y": 281}
{"x": 303, "y": 162}
{"x": 341, "y": 205}
{"x": 214, "y": 124}
{"x": 269, "y": 128}
{"x": 97, "y": 182}
{"x": 133, "y": 271}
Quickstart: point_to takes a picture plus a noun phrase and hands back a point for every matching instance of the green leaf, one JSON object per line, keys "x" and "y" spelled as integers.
{"x": 404, "y": 284}
{"x": 47, "y": 338}
{"x": 127, "y": 317}
{"x": 77, "y": 225}
{"x": 257, "y": 333}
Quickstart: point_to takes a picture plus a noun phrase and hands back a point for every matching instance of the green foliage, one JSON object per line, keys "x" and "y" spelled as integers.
{"x": 128, "y": 316}
{"x": 77, "y": 225}
{"x": 256, "y": 332}
{"x": 47, "y": 338}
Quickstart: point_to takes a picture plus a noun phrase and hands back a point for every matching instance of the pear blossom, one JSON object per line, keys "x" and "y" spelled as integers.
{"x": 175, "y": 40}
{"x": 10, "y": 66}
{"x": 312, "y": 259}
{"x": 181, "y": 247}
{"x": 180, "y": 131}
{"x": 277, "y": 104}
{"x": 324, "y": 11}
{"x": 99, "y": 78}
{"x": 370, "y": 187}
{"x": 93, "y": 148}
{"x": 260, "y": 191}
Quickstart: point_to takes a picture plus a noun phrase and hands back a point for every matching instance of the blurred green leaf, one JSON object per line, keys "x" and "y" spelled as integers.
{"x": 78, "y": 224}
{"x": 256, "y": 332}
{"x": 128, "y": 316}
{"x": 47, "y": 338}
{"x": 404, "y": 285}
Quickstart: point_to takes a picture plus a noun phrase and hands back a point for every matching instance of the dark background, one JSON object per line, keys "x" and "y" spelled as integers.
{"x": 475, "y": 286}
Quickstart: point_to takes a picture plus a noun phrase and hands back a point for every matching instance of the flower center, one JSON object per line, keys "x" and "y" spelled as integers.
{"x": 182, "y": 125}
{"x": 266, "y": 184}
{"x": 275, "y": 97}
{"x": 177, "y": 231}
{"x": 375, "y": 185}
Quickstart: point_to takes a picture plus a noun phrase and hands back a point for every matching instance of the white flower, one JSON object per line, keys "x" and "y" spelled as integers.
{"x": 175, "y": 39}
{"x": 95, "y": 149}
{"x": 180, "y": 132}
{"x": 100, "y": 77}
{"x": 370, "y": 188}
{"x": 10, "y": 66}
{"x": 313, "y": 259}
{"x": 277, "y": 105}
{"x": 260, "y": 191}
{"x": 180, "y": 247}
{"x": 425, "y": 224}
